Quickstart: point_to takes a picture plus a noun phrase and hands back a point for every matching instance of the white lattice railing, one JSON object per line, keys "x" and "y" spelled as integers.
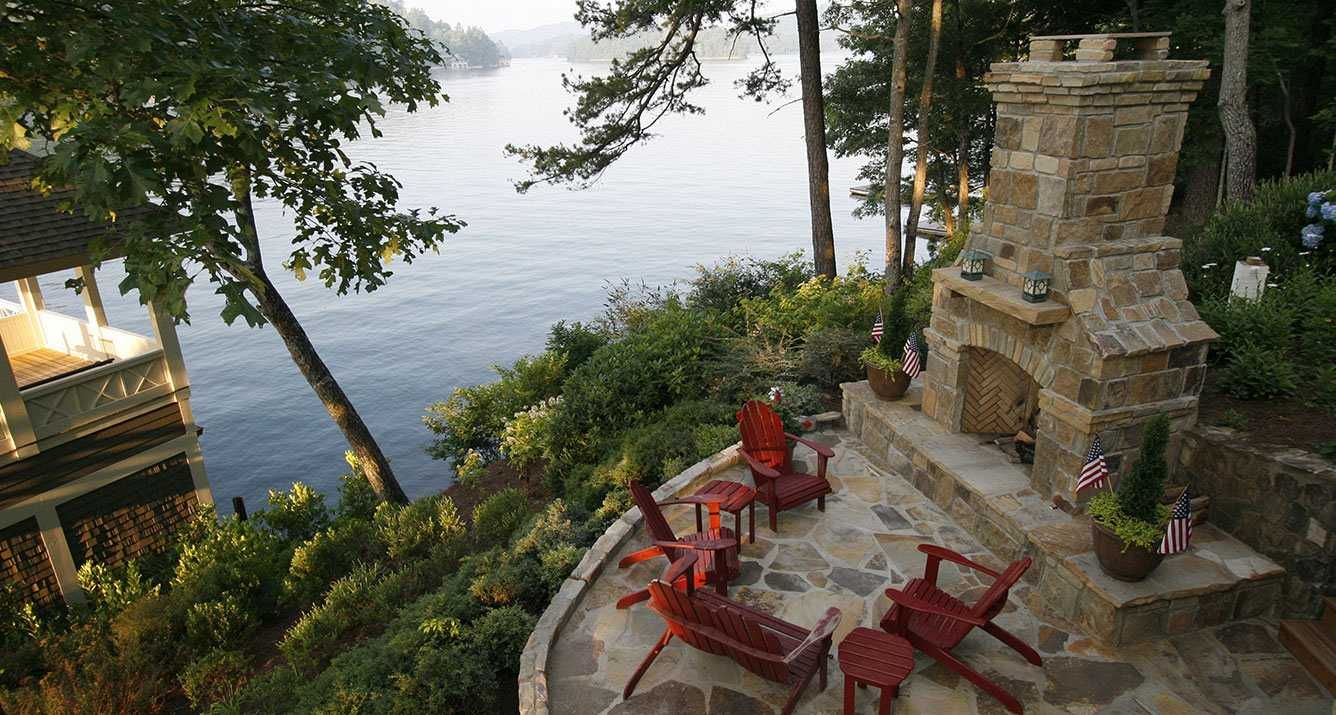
{"x": 79, "y": 399}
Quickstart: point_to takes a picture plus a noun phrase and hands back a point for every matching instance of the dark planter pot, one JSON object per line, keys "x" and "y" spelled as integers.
{"x": 887, "y": 387}
{"x": 1133, "y": 564}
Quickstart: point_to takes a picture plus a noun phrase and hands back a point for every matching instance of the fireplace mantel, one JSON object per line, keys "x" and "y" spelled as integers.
{"x": 1003, "y": 297}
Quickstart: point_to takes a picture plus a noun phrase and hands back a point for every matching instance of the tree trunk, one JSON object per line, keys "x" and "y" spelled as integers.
{"x": 814, "y": 130}
{"x": 1240, "y": 135}
{"x": 924, "y": 119}
{"x": 963, "y": 148}
{"x": 275, "y": 310}
{"x": 1289, "y": 123}
{"x": 895, "y": 144}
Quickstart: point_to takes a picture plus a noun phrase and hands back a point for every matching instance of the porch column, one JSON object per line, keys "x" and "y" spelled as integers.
{"x": 164, "y": 328}
{"x": 30, "y": 297}
{"x": 15, "y": 412}
{"x": 92, "y": 298}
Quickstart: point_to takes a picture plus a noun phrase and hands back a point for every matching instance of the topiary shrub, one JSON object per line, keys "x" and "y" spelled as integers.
{"x": 497, "y": 517}
{"x": 1134, "y": 511}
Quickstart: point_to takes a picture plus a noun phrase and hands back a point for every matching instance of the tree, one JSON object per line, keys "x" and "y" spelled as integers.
{"x": 1240, "y": 135}
{"x": 814, "y": 134}
{"x": 618, "y": 110}
{"x": 921, "y": 155}
{"x": 895, "y": 144}
{"x": 202, "y": 106}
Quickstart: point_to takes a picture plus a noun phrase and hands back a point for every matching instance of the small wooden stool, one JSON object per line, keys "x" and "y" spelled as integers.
{"x": 874, "y": 657}
{"x": 737, "y": 496}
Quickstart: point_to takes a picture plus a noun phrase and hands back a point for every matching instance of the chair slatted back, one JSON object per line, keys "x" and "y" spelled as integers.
{"x": 763, "y": 435}
{"x": 655, "y": 523}
{"x": 992, "y": 600}
{"x": 733, "y": 623}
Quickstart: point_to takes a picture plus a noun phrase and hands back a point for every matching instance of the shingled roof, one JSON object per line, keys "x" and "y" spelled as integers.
{"x": 36, "y": 236}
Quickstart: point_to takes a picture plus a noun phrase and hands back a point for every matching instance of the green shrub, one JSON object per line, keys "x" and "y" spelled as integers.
{"x": 350, "y": 604}
{"x": 499, "y": 637}
{"x": 411, "y": 531}
{"x": 473, "y": 418}
{"x": 328, "y": 555}
{"x": 576, "y": 341}
{"x": 528, "y": 435}
{"x": 650, "y": 368}
{"x": 222, "y": 620}
{"x": 1104, "y": 508}
{"x": 721, "y": 288}
{"x": 470, "y": 470}
{"x": 1267, "y": 323}
{"x": 357, "y": 499}
{"x": 110, "y": 590}
{"x": 1255, "y": 373}
{"x": 1322, "y": 390}
{"x": 829, "y": 356}
{"x": 297, "y": 514}
{"x": 497, "y": 517}
{"x": 848, "y": 301}
{"x": 1272, "y": 220}
{"x": 750, "y": 364}
{"x": 1139, "y": 492}
{"x": 215, "y": 678}
{"x": 228, "y": 577}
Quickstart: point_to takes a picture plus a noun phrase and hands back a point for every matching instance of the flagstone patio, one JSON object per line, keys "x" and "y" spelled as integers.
{"x": 865, "y": 541}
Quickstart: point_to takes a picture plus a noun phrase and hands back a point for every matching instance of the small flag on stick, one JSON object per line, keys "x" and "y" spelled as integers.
{"x": 1096, "y": 470}
{"x": 912, "y": 366}
{"x": 1178, "y": 533}
{"x": 877, "y": 328}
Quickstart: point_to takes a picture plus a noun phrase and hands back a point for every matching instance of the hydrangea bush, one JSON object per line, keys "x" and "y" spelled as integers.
{"x": 1322, "y": 209}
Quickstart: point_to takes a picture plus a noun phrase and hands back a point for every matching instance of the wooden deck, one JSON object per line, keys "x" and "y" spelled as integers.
{"x": 43, "y": 365}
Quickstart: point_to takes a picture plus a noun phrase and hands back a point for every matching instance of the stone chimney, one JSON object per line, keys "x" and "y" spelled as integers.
{"x": 1081, "y": 178}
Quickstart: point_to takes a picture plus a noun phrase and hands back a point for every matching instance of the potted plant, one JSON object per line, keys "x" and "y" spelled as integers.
{"x": 1127, "y": 525}
{"x": 883, "y": 360}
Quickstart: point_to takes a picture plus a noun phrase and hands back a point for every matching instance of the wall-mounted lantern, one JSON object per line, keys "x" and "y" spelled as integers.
{"x": 973, "y": 264}
{"x": 1034, "y": 288}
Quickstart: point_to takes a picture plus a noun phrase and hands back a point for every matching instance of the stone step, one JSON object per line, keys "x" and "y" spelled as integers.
{"x": 1219, "y": 579}
{"x": 1329, "y": 613}
{"x": 1313, "y": 645}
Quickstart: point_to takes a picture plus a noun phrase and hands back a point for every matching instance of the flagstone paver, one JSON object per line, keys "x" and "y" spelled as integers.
{"x": 866, "y": 541}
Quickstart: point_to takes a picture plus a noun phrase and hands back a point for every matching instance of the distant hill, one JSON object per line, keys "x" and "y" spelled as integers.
{"x": 463, "y": 46}
{"x": 571, "y": 41}
{"x": 541, "y": 41}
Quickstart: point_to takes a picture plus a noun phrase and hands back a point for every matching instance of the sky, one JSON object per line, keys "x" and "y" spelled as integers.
{"x": 498, "y": 15}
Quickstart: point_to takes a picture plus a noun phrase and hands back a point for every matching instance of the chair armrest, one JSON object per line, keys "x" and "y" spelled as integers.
{"x": 758, "y": 468}
{"x": 680, "y": 567}
{"x": 817, "y": 447}
{"x": 695, "y": 499}
{"x": 900, "y": 598}
{"x": 822, "y": 631}
{"x": 703, "y": 545}
{"x": 949, "y": 555}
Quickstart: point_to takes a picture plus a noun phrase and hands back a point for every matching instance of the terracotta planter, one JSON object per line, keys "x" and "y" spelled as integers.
{"x": 887, "y": 387}
{"x": 1133, "y": 564}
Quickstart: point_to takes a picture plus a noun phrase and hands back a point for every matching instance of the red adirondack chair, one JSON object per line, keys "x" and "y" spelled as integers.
{"x": 773, "y": 649}
{"x": 765, "y": 446}
{"x": 716, "y": 547}
{"x": 935, "y": 622}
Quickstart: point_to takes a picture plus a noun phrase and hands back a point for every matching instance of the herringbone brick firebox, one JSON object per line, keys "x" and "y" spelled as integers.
{"x": 1081, "y": 178}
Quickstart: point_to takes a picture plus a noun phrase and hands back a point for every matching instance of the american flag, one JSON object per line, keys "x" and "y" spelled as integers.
{"x": 877, "y": 328}
{"x": 1096, "y": 470}
{"x": 1179, "y": 532}
{"x": 912, "y": 367}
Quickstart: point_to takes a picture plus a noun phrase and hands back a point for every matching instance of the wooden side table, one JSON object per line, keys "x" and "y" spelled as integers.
{"x": 736, "y": 497}
{"x": 873, "y": 657}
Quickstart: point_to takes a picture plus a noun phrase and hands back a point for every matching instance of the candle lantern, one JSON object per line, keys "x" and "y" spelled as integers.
{"x": 973, "y": 264}
{"x": 1035, "y": 286}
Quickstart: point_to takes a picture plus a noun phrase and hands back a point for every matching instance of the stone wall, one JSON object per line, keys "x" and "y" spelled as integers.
{"x": 1281, "y": 502}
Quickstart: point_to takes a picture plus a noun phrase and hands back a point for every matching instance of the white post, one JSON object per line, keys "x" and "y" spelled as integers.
{"x": 95, "y": 314}
{"x": 165, "y": 330}
{"x": 1249, "y": 278}
{"x": 30, "y": 297}
{"x": 15, "y": 410}
{"x": 58, "y": 550}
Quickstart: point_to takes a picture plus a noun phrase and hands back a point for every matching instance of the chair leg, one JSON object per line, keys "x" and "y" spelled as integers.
{"x": 699, "y": 524}
{"x": 884, "y": 705}
{"x": 848, "y": 695}
{"x": 1015, "y": 643}
{"x": 644, "y": 665}
{"x": 737, "y": 525}
{"x": 774, "y": 518}
{"x": 820, "y": 503}
{"x": 751, "y": 522}
{"x": 822, "y": 681}
{"x": 972, "y": 675}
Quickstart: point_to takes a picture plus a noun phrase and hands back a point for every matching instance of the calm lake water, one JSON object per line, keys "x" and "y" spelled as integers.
{"x": 731, "y": 182}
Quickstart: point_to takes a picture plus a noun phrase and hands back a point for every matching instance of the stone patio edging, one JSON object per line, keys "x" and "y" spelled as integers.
{"x": 533, "y": 661}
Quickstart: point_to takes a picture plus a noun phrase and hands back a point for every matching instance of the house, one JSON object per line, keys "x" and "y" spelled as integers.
{"x": 99, "y": 451}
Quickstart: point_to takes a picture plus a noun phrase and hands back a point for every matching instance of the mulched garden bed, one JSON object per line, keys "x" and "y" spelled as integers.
{"x": 1285, "y": 421}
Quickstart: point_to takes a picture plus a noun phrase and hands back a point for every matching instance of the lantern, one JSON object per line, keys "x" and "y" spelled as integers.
{"x": 971, "y": 268}
{"x": 1035, "y": 286}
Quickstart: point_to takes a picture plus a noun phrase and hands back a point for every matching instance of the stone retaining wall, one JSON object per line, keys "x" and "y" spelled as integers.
{"x": 1281, "y": 502}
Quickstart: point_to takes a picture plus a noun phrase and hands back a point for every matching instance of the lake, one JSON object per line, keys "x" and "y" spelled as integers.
{"x": 731, "y": 182}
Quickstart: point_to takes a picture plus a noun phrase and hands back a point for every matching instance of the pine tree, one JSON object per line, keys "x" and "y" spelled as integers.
{"x": 1139, "y": 492}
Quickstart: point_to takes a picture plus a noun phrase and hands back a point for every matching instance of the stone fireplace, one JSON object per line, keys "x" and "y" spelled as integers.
{"x": 1081, "y": 178}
